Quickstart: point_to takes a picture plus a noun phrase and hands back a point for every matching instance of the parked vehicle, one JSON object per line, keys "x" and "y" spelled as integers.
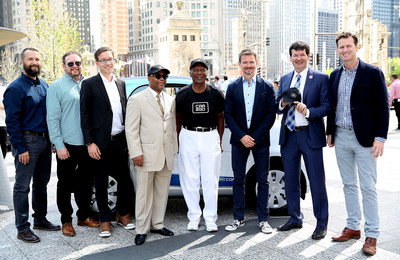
{"x": 276, "y": 178}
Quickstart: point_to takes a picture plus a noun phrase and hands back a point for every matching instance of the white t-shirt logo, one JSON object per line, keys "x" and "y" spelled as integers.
{"x": 200, "y": 108}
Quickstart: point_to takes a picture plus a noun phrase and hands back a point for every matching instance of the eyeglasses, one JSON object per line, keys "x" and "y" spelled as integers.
{"x": 106, "y": 61}
{"x": 77, "y": 63}
{"x": 158, "y": 76}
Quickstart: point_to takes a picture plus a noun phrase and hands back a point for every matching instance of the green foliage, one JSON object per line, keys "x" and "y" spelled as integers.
{"x": 393, "y": 66}
{"x": 53, "y": 32}
{"x": 9, "y": 66}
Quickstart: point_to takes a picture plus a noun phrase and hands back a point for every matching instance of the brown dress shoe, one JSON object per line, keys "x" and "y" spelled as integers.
{"x": 28, "y": 236}
{"x": 369, "y": 246}
{"x": 125, "y": 221}
{"x": 346, "y": 235}
{"x": 88, "y": 222}
{"x": 105, "y": 229}
{"x": 68, "y": 230}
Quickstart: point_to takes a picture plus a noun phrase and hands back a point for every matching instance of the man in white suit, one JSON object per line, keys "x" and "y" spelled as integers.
{"x": 152, "y": 142}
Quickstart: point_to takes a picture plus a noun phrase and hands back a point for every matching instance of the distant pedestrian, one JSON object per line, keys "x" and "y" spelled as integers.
{"x": 225, "y": 84}
{"x": 25, "y": 104}
{"x": 394, "y": 97}
{"x": 217, "y": 83}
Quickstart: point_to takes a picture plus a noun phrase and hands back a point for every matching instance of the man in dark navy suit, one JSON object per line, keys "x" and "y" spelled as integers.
{"x": 357, "y": 127}
{"x": 250, "y": 114}
{"x": 303, "y": 134}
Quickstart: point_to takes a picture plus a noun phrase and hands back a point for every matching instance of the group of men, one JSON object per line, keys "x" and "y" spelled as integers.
{"x": 93, "y": 126}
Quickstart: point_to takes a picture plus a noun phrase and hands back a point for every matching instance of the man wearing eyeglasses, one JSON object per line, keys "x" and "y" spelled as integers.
{"x": 63, "y": 120}
{"x": 103, "y": 104}
{"x": 152, "y": 143}
{"x": 200, "y": 124}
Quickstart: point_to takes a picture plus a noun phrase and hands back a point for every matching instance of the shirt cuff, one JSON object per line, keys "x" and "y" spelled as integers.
{"x": 280, "y": 105}
{"x": 307, "y": 114}
{"x": 380, "y": 139}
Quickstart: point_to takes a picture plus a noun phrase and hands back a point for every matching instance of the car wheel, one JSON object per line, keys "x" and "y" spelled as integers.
{"x": 276, "y": 178}
{"x": 112, "y": 196}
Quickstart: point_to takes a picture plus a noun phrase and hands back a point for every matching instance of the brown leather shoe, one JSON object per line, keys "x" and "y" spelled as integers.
{"x": 88, "y": 222}
{"x": 369, "y": 246}
{"x": 28, "y": 236}
{"x": 105, "y": 229}
{"x": 125, "y": 221}
{"x": 68, "y": 230}
{"x": 346, "y": 235}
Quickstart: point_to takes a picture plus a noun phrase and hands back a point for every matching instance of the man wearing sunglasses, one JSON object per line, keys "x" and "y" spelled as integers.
{"x": 103, "y": 104}
{"x": 63, "y": 120}
{"x": 152, "y": 143}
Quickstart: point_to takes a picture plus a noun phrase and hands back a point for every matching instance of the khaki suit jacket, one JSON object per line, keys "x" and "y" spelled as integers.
{"x": 148, "y": 133}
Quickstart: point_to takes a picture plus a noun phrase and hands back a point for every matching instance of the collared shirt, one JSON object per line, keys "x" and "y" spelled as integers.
{"x": 63, "y": 112}
{"x": 394, "y": 90}
{"x": 161, "y": 97}
{"x": 343, "y": 111}
{"x": 115, "y": 100}
{"x": 25, "y": 105}
{"x": 300, "y": 119}
{"x": 249, "y": 91}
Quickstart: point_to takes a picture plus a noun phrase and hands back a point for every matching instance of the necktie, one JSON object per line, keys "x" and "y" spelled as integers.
{"x": 290, "y": 121}
{"x": 160, "y": 105}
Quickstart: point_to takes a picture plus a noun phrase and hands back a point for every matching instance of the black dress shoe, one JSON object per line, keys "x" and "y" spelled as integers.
{"x": 139, "y": 239}
{"x": 28, "y": 236}
{"x": 164, "y": 232}
{"x": 318, "y": 234}
{"x": 47, "y": 226}
{"x": 289, "y": 225}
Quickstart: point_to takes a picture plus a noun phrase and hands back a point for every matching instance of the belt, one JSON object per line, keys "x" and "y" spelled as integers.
{"x": 117, "y": 136}
{"x": 42, "y": 134}
{"x": 200, "y": 128}
{"x": 300, "y": 128}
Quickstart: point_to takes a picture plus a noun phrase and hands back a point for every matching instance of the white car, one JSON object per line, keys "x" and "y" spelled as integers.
{"x": 276, "y": 178}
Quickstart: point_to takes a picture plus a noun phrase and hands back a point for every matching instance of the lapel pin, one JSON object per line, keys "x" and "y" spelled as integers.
{"x": 310, "y": 77}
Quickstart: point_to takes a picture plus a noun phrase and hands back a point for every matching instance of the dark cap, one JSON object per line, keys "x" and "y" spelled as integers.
{"x": 198, "y": 61}
{"x": 291, "y": 95}
{"x": 156, "y": 68}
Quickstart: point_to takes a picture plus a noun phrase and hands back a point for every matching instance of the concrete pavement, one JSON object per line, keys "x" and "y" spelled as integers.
{"x": 246, "y": 243}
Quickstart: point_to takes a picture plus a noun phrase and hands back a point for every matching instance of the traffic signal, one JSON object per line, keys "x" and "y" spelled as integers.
{"x": 318, "y": 59}
{"x": 267, "y": 41}
{"x": 337, "y": 63}
{"x": 311, "y": 59}
{"x": 259, "y": 71}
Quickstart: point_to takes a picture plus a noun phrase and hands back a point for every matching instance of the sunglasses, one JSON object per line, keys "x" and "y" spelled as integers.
{"x": 77, "y": 63}
{"x": 158, "y": 76}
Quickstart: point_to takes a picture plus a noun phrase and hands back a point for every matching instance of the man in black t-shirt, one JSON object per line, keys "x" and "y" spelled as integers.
{"x": 200, "y": 126}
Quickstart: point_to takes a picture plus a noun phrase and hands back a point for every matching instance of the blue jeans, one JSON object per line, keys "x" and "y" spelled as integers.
{"x": 38, "y": 169}
{"x": 357, "y": 165}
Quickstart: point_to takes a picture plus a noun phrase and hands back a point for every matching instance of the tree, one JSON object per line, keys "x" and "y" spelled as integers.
{"x": 53, "y": 32}
{"x": 393, "y": 66}
{"x": 9, "y": 67}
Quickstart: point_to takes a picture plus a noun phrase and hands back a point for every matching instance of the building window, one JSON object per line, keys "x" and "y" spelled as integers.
{"x": 193, "y": 6}
{"x": 198, "y": 14}
{"x": 205, "y": 21}
{"x": 206, "y": 37}
{"x": 205, "y": 6}
{"x": 165, "y": 4}
{"x": 205, "y": 13}
{"x": 198, "y": 6}
{"x": 193, "y": 14}
{"x": 205, "y": 29}
{"x": 192, "y": 38}
{"x": 184, "y": 38}
{"x": 158, "y": 20}
{"x": 205, "y": 45}
{"x": 212, "y": 21}
{"x": 176, "y": 38}
{"x": 212, "y": 5}
{"x": 157, "y": 4}
{"x": 165, "y": 13}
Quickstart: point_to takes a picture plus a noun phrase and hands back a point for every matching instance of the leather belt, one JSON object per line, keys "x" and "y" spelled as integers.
{"x": 200, "y": 128}
{"x": 42, "y": 134}
{"x": 300, "y": 128}
{"x": 117, "y": 136}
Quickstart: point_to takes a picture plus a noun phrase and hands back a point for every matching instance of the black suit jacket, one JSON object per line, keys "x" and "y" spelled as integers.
{"x": 96, "y": 111}
{"x": 263, "y": 116}
{"x": 369, "y": 104}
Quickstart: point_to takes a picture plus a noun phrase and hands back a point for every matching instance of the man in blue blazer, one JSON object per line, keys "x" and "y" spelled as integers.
{"x": 357, "y": 127}
{"x": 303, "y": 134}
{"x": 250, "y": 114}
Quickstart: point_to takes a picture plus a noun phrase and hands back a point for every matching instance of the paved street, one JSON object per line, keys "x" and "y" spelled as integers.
{"x": 246, "y": 243}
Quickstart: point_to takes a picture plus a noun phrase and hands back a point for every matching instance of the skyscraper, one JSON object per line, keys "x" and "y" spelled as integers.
{"x": 79, "y": 9}
{"x": 387, "y": 12}
{"x": 327, "y": 23}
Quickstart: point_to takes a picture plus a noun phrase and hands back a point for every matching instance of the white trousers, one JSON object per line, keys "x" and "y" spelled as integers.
{"x": 200, "y": 162}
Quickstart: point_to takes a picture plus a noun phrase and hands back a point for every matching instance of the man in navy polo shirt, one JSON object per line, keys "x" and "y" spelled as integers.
{"x": 25, "y": 105}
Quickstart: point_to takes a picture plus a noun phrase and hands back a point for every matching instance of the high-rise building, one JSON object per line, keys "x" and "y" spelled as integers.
{"x": 337, "y": 5}
{"x": 244, "y": 25}
{"x": 147, "y": 16}
{"x": 79, "y": 9}
{"x": 327, "y": 23}
{"x": 387, "y": 12}
{"x": 289, "y": 21}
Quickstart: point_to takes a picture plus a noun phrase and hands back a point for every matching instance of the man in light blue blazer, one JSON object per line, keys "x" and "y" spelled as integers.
{"x": 303, "y": 134}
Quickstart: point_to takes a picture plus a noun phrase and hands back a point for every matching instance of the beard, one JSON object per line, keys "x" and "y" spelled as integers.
{"x": 33, "y": 73}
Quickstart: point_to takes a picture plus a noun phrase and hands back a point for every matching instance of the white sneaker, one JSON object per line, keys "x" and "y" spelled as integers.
{"x": 211, "y": 227}
{"x": 234, "y": 225}
{"x": 265, "y": 227}
{"x": 193, "y": 226}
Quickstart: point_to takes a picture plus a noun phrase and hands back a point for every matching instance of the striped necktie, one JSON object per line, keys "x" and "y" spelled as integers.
{"x": 160, "y": 105}
{"x": 290, "y": 120}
